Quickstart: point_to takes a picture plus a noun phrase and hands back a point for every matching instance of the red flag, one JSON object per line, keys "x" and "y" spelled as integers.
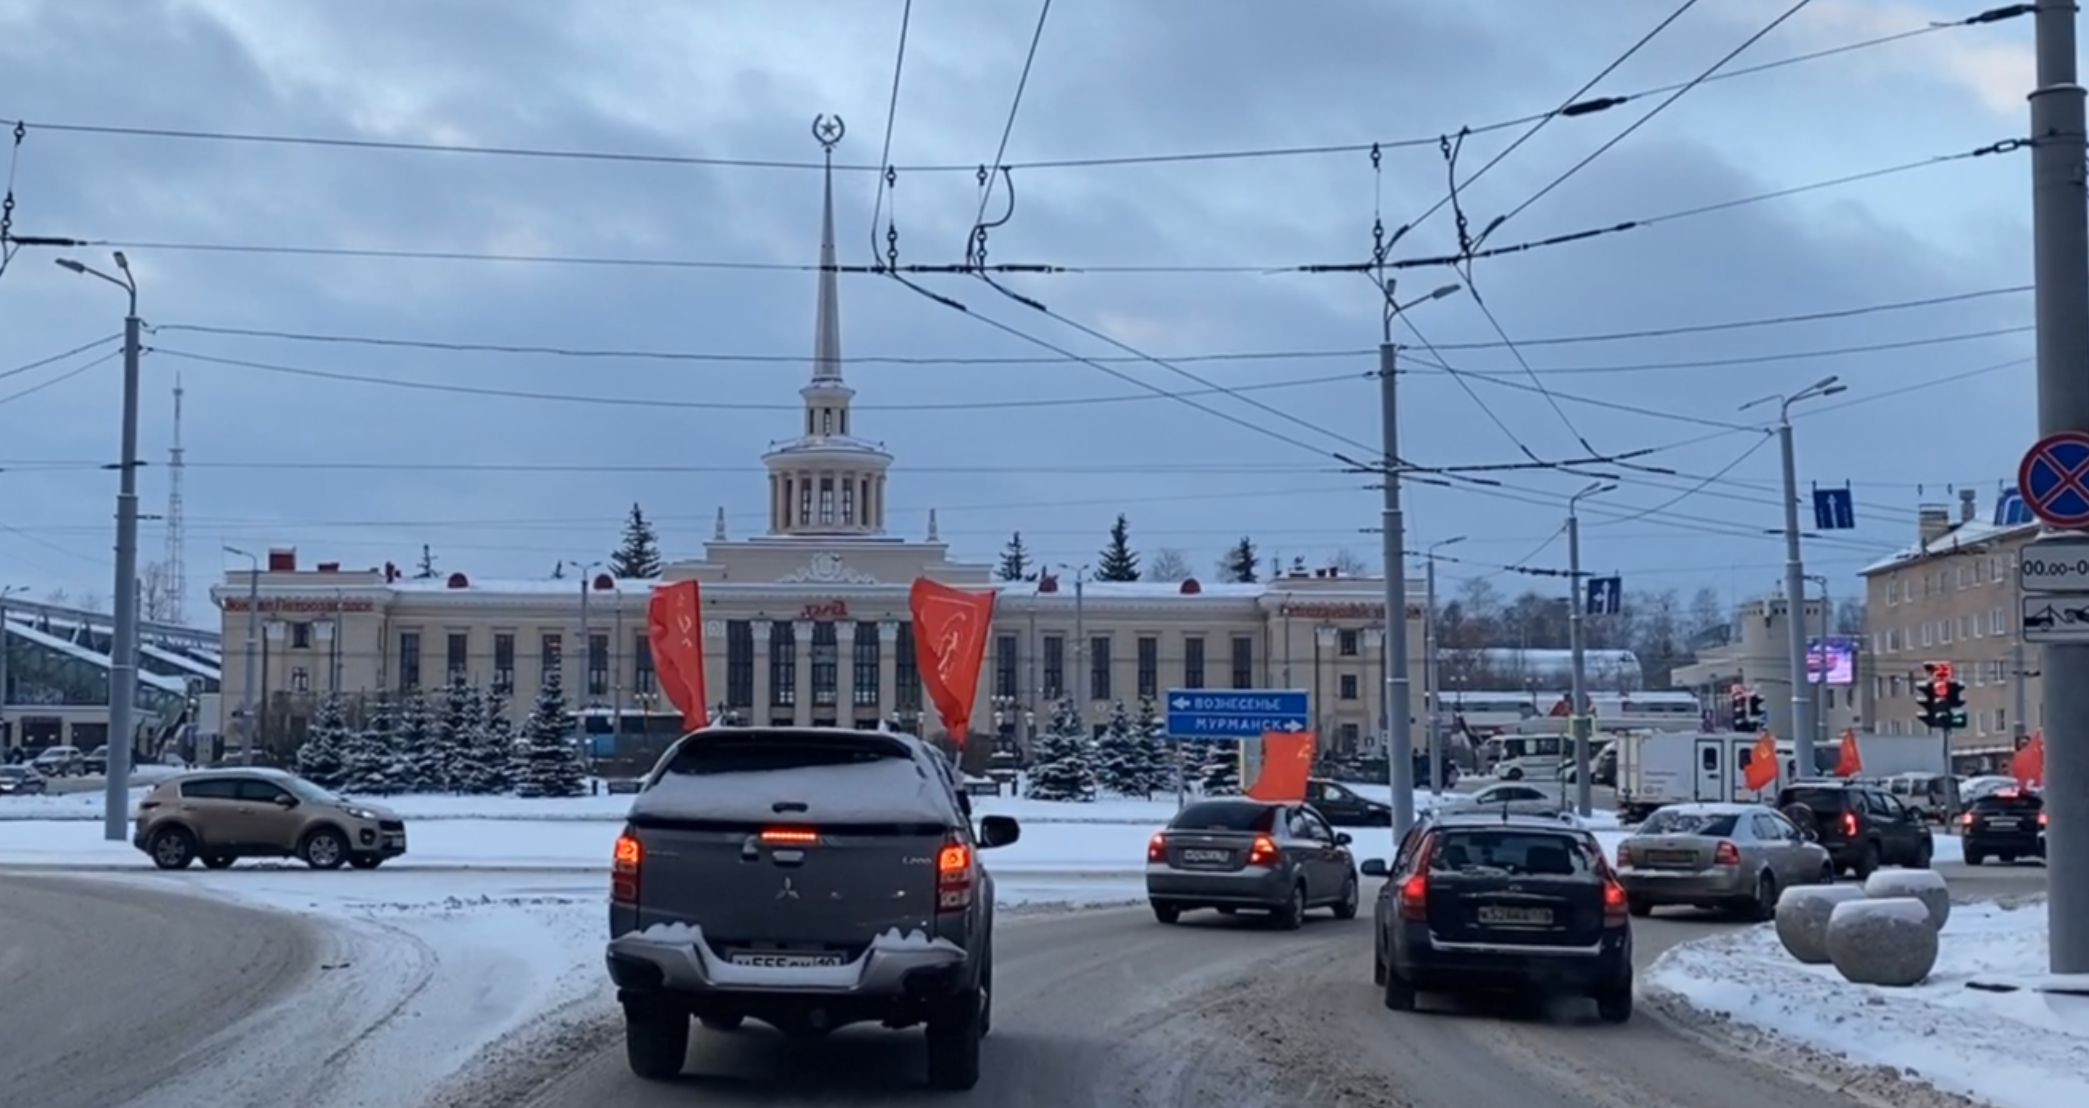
{"x": 2027, "y": 765}
{"x": 950, "y": 629}
{"x": 1850, "y": 762}
{"x": 674, "y": 627}
{"x": 1287, "y": 761}
{"x": 1762, "y": 764}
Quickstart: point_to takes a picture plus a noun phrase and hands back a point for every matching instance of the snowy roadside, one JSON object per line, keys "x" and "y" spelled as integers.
{"x": 2021, "y": 1049}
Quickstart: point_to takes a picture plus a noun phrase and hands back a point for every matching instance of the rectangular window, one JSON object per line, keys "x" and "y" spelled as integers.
{"x": 1943, "y": 631}
{"x": 1965, "y": 576}
{"x": 1099, "y": 667}
{"x": 1054, "y": 667}
{"x": 300, "y": 678}
{"x": 1005, "y": 665}
{"x": 739, "y": 663}
{"x": 783, "y": 664}
{"x": 1149, "y": 666}
{"x": 1974, "y": 622}
{"x": 644, "y": 679}
{"x": 456, "y": 654}
{"x": 598, "y": 664}
{"x": 1243, "y": 661}
{"x": 1893, "y": 683}
{"x": 1994, "y": 626}
{"x": 804, "y": 503}
{"x": 300, "y": 636}
{"x": 504, "y": 662}
{"x": 1892, "y": 593}
{"x": 551, "y": 655}
{"x": 409, "y": 660}
{"x": 863, "y": 675}
{"x": 848, "y": 502}
{"x": 1348, "y": 685}
{"x": 1994, "y": 672}
{"x": 1349, "y": 736}
{"x": 1927, "y": 639}
{"x": 2001, "y": 720}
{"x": 826, "y": 663}
{"x": 1345, "y": 644}
{"x": 1878, "y": 687}
{"x": 1193, "y": 662}
{"x": 907, "y": 672}
{"x": 826, "y": 500}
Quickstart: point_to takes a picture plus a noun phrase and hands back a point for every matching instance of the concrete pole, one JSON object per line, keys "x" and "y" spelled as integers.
{"x": 1393, "y": 528}
{"x": 1431, "y": 693}
{"x": 1080, "y": 650}
{"x": 123, "y": 652}
{"x": 1818, "y": 690}
{"x": 2060, "y": 251}
{"x": 1795, "y": 603}
{"x": 1577, "y": 715}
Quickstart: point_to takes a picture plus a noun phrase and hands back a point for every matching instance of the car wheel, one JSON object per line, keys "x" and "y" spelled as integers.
{"x": 1868, "y": 861}
{"x": 1345, "y": 908}
{"x": 1377, "y": 967}
{"x": 986, "y": 996}
{"x": 1639, "y": 906}
{"x": 1764, "y": 907}
{"x": 1166, "y": 913}
{"x": 172, "y": 848}
{"x": 218, "y": 861}
{"x": 1399, "y": 995}
{"x": 722, "y": 1023}
{"x": 1513, "y": 773}
{"x": 656, "y": 1042}
{"x": 1291, "y": 915}
{"x": 324, "y": 849}
{"x": 953, "y": 1042}
{"x": 365, "y": 861}
{"x": 1974, "y": 857}
{"x": 1615, "y": 1006}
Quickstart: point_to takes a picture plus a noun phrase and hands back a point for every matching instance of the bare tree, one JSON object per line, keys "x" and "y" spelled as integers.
{"x": 1706, "y": 612}
{"x": 1348, "y": 564}
{"x": 1167, "y": 564}
{"x": 1849, "y": 617}
{"x": 58, "y": 597}
{"x": 157, "y": 593}
{"x": 92, "y": 601}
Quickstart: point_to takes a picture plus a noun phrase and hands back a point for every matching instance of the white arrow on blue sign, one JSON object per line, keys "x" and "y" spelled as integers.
{"x": 1236, "y": 713}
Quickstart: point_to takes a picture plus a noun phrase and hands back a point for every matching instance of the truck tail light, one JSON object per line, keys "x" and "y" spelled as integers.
{"x": 955, "y": 876}
{"x": 1264, "y": 852}
{"x": 1966, "y": 819}
{"x": 623, "y": 874}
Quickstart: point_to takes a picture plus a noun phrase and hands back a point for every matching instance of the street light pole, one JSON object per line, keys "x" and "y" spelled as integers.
{"x": 123, "y": 646}
{"x": 1819, "y": 689}
{"x": 1393, "y": 525}
{"x": 1578, "y": 718}
{"x": 1431, "y": 694}
{"x": 1795, "y": 573}
{"x": 2060, "y": 264}
{"x": 246, "y": 681}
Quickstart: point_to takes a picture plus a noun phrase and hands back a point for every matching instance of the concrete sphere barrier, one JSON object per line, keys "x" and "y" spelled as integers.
{"x": 1802, "y": 919}
{"x": 1882, "y": 942}
{"x": 1924, "y": 885}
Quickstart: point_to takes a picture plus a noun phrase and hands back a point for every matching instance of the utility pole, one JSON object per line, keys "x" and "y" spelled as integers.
{"x": 1432, "y": 691}
{"x": 2060, "y": 252}
{"x": 246, "y": 681}
{"x": 123, "y": 644}
{"x": 1081, "y": 650}
{"x": 7, "y": 737}
{"x": 1578, "y": 716}
{"x": 1393, "y": 529}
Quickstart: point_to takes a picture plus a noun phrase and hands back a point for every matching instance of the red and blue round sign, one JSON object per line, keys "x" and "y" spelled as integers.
{"x": 2054, "y": 480}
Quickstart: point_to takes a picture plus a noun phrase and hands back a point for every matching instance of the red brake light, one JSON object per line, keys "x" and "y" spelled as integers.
{"x": 1264, "y": 852}
{"x": 1726, "y": 854}
{"x": 1849, "y": 824}
{"x": 2041, "y": 819}
{"x": 955, "y": 877}
{"x": 1613, "y": 903}
{"x": 1966, "y": 819}
{"x": 623, "y": 880}
{"x": 789, "y": 836}
{"x": 1157, "y": 848}
{"x": 1414, "y": 896}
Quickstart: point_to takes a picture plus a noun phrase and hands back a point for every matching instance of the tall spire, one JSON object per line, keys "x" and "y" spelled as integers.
{"x": 826, "y": 344}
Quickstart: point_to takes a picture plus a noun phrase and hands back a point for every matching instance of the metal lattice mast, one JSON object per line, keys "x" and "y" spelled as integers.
{"x": 175, "y": 583}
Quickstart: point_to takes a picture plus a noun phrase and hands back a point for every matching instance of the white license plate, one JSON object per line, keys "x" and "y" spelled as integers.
{"x": 1515, "y": 917}
{"x": 2002, "y": 824}
{"x": 771, "y": 959}
{"x": 1207, "y": 856}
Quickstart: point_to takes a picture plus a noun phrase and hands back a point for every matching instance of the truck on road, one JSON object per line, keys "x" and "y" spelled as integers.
{"x": 1659, "y": 768}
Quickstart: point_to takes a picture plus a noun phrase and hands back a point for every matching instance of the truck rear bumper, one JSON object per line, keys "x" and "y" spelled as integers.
{"x": 683, "y": 962}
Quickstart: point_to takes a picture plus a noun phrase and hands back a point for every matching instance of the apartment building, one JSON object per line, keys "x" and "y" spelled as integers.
{"x": 1952, "y": 596}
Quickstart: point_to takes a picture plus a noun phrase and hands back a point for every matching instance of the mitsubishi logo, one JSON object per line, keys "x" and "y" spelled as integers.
{"x": 787, "y": 892}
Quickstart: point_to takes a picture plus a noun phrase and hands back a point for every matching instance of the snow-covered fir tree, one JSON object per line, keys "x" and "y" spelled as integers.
{"x": 456, "y": 736}
{"x": 549, "y": 763}
{"x": 1156, "y": 754}
{"x": 1222, "y": 768}
{"x": 367, "y": 760}
{"x": 1119, "y": 765}
{"x": 639, "y": 554}
{"x": 1065, "y": 765}
{"x": 322, "y": 757}
{"x": 416, "y": 753}
{"x": 494, "y": 761}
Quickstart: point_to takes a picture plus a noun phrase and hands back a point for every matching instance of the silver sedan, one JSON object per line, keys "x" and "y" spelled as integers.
{"x": 1516, "y": 798}
{"x": 1733, "y": 856}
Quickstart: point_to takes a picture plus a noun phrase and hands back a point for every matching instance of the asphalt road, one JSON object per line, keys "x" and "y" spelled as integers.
{"x": 110, "y": 990}
{"x": 1112, "y": 1008}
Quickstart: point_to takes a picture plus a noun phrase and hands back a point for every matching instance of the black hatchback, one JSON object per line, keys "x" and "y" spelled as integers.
{"x": 2006, "y": 825}
{"x": 1487, "y": 903}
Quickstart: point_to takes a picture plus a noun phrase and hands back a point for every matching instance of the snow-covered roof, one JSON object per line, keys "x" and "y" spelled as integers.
{"x": 1959, "y": 537}
{"x": 173, "y": 685}
{"x": 176, "y": 658}
{"x": 541, "y": 586}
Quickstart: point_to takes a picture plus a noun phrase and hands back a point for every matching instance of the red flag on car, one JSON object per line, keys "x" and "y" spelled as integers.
{"x": 674, "y": 628}
{"x": 1762, "y": 763}
{"x": 1287, "y": 761}
{"x": 950, "y": 628}
{"x": 1850, "y": 762}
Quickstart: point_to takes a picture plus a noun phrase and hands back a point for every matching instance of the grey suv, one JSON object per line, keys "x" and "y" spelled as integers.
{"x": 809, "y": 878}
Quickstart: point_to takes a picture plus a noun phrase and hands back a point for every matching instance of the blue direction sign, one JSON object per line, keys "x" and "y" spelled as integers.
{"x": 1236, "y": 713}
{"x": 2054, "y": 479}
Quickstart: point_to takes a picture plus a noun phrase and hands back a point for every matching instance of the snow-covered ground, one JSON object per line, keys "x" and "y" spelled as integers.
{"x": 2021, "y": 1049}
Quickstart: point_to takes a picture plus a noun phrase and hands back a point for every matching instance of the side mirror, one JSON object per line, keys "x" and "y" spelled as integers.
{"x": 285, "y": 801}
{"x": 998, "y": 831}
{"x": 1375, "y": 867}
{"x": 1343, "y": 839}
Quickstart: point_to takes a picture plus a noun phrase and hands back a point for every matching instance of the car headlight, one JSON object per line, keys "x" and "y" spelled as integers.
{"x": 361, "y": 813}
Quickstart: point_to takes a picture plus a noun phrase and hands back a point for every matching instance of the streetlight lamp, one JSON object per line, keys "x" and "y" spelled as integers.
{"x": 1394, "y": 527}
{"x": 123, "y": 646}
{"x": 1578, "y": 719}
{"x": 1430, "y": 692}
{"x": 1794, "y": 571}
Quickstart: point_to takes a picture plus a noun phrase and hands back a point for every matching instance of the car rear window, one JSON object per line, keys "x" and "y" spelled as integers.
{"x": 2019, "y": 802}
{"x": 1672, "y": 822}
{"x": 1225, "y": 815}
{"x": 758, "y": 752}
{"x": 1818, "y": 799}
{"x": 1516, "y": 853}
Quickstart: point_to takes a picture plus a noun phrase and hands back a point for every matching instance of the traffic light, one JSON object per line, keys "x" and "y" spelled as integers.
{"x": 1738, "y": 709}
{"x": 1941, "y": 698}
{"x": 1755, "y": 711}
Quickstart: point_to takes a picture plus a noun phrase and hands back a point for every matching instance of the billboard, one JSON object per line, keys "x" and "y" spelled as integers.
{"x": 1831, "y": 660}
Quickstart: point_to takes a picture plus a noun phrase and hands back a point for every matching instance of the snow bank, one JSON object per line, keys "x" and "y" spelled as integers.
{"x": 2020, "y": 1049}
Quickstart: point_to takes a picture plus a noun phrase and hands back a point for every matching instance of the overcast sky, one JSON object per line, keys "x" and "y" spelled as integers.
{"x": 1111, "y": 78}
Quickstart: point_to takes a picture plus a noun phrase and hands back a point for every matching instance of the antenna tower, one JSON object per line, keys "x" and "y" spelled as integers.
{"x": 174, "y": 583}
